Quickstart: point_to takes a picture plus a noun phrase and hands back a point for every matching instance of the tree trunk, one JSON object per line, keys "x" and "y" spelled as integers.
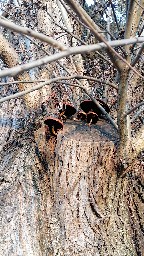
{"x": 63, "y": 197}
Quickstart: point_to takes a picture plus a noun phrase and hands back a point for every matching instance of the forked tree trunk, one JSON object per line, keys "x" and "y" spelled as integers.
{"x": 69, "y": 200}
{"x": 64, "y": 197}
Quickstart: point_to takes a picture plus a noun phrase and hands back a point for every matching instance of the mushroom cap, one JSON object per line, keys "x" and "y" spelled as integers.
{"x": 69, "y": 110}
{"x": 90, "y": 106}
{"x": 104, "y": 105}
{"x": 81, "y": 115}
{"x": 92, "y": 117}
{"x": 55, "y": 122}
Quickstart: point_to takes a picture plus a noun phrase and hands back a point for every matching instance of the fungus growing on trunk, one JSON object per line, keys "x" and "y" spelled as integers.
{"x": 92, "y": 118}
{"x": 90, "y": 106}
{"x": 54, "y": 125}
{"x": 81, "y": 116}
{"x": 68, "y": 110}
{"x": 104, "y": 105}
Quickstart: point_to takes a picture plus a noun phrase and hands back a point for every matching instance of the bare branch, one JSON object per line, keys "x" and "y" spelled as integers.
{"x": 134, "y": 16}
{"x": 134, "y": 108}
{"x": 96, "y": 31}
{"x": 114, "y": 14}
{"x": 16, "y": 95}
{"x": 30, "y": 32}
{"x": 104, "y": 58}
{"x": 71, "y": 51}
{"x": 138, "y": 55}
{"x": 84, "y": 77}
{"x": 76, "y": 77}
{"x": 113, "y": 37}
{"x": 139, "y": 4}
{"x": 66, "y": 30}
{"x": 138, "y": 115}
{"x": 74, "y": 16}
{"x": 37, "y": 87}
{"x": 97, "y": 80}
{"x": 22, "y": 82}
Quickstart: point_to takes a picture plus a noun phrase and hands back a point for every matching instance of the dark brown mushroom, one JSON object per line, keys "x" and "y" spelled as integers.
{"x": 68, "y": 110}
{"x": 92, "y": 118}
{"x": 54, "y": 125}
{"x": 81, "y": 116}
{"x": 87, "y": 105}
{"x": 90, "y": 106}
{"x": 104, "y": 105}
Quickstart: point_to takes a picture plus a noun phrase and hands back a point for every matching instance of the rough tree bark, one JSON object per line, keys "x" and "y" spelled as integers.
{"x": 64, "y": 196}
{"x": 73, "y": 203}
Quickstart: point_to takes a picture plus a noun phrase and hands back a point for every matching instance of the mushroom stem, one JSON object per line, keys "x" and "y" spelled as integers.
{"x": 90, "y": 122}
{"x": 53, "y": 131}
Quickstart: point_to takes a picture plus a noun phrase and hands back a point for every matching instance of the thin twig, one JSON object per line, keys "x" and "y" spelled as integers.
{"x": 139, "y": 4}
{"x": 34, "y": 88}
{"x": 134, "y": 108}
{"x": 74, "y": 16}
{"x": 70, "y": 51}
{"x": 113, "y": 37}
{"x": 37, "y": 87}
{"x": 104, "y": 58}
{"x": 76, "y": 77}
{"x": 97, "y": 80}
{"x": 22, "y": 82}
{"x": 114, "y": 14}
{"x": 95, "y": 30}
{"x": 66, "y": 30}
{"x": 86, "y": 77}
{"x": 137, "y": 115}
{"x": 138, "y": 55}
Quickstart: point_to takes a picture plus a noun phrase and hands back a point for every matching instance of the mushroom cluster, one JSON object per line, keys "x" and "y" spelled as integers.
{"x": 91, "y": 113}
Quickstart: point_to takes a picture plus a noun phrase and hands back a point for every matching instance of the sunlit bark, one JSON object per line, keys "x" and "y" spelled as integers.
{"x": 65, "y": 195}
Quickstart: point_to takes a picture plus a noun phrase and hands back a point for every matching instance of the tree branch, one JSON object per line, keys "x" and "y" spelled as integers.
{"x": 22, "y": 82}
{"x": 85, "y": 77}
{"x": 37, "y": 87}
{"x": 114, "y": 14}
{"x": 134, "y": 108}
{"x": 66, "y": 30}
{"x": 134, "y": 15}
{"x": 138, "y": 115}
{"x": 96, "y": 31}
{"x": 76, "y": 77}
{"x": 27, "y": 31}
{"x": 16, "y": 95}
{"x": 138, "y": 55}
{"x": 97, "y": 80}
{"x": 74, "y": 16}
{"x": 71, "y": 51}
{"x": 139, "y": 5}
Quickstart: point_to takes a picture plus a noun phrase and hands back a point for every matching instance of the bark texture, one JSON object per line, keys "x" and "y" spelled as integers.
{"x": 63, "y": 197}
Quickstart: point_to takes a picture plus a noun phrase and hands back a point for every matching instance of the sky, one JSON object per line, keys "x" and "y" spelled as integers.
{"x": 89, "y": 2}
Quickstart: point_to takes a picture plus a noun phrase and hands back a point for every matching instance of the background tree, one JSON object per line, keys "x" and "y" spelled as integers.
{"x": 77, "y": 191}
